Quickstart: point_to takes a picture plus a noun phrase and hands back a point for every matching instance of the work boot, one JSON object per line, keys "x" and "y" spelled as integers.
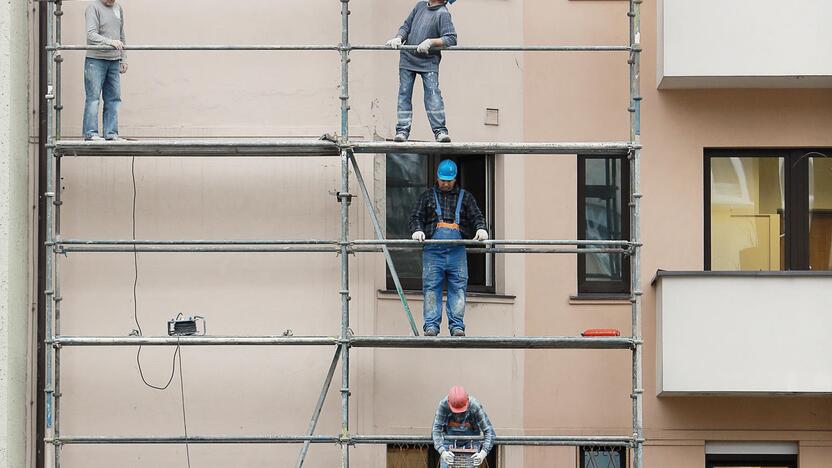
{"x": 457, "y": 332}
{"x": 400, "y": 138}
{"x": 431, "y": 332}
{"x": 93, "y": 137}
{"x": 443, "y": 137}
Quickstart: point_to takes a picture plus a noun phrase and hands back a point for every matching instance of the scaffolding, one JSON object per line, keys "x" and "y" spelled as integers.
{"x": 345, "y": 148}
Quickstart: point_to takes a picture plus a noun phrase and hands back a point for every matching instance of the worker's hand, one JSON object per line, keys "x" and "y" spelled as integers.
{"x": 418, "y": 236}
{"x": 424, "y": 47}
{"x": 117, "y": 44}
{"x": 481, "y": 235}
{"x": 122, "y": 68}
{"x": 394, "y": 43}
{"x": 447, "y": 457}
{"x": 478, "y": 457}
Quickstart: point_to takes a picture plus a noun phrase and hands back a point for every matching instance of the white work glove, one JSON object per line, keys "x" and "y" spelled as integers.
{"x": 478, "y": 457}
{"x": 394, "y": 43}
{"x": 447, "y": 457}
{"x": 424, "y": 47}
{"x": 481, "y": 235}
{"x": 418, "y": 236}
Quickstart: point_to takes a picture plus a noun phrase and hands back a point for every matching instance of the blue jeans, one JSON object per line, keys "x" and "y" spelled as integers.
{"x": 442, "y": 264}
{"x": 102, "y": 77}
{"x": 434, "y": 105}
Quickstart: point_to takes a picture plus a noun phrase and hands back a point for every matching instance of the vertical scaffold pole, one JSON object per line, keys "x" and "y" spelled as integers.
{"x": 56, "y": 296}
{"x": 634, "y": 14}
{"x": 345, "y": 199}
{"x": 49, "y": 195}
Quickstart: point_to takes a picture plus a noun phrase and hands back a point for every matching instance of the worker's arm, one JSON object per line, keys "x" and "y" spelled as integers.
{"x": 123, "y": 39}
{"x": 93, "y": 26}
{"x": 447, "y": 32}
{"x": 473, "y": 213}
{"x": 417, "y": 218}
{"x": 439, "y": 421}
{"x": 485, "y": 426}
{"x": 404, "y": 30}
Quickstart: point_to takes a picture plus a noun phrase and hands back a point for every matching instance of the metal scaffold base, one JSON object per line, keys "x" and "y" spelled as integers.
{"x": 342, "y": 146}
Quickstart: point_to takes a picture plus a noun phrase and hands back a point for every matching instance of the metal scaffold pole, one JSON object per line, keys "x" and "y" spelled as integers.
{"x": 345, "y": 198}
{"x": 56, "y": 297}
{"x": 637, "y": 395}
{"x": 49, "y": 195}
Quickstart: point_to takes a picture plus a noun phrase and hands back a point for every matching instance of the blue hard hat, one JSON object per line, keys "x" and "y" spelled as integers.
{"x": 447, "y": 170}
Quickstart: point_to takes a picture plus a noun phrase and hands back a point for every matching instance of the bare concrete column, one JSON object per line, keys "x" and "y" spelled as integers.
{"x": 14, "y": 230}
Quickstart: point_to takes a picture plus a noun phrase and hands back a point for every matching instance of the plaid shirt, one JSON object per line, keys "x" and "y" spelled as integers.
{"x": 476, "y": 416}
{"x": 423, "y": 216}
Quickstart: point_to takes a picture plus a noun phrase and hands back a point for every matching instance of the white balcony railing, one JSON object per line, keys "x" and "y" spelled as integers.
{"x": 743, "y": 333}
{"x": 744, "y": 44}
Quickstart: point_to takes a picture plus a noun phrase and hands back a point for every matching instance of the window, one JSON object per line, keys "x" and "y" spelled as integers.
{"x": 603, "y": 214}
{"x": 603, "y": 457}
{"x": 751, "y": 461}
{"x": 768, "y": 210}
{"x": 424, "y": 456}
{"x": 408, "y": 175}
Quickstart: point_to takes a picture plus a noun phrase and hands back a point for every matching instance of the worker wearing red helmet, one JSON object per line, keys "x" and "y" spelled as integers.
{"x": 459, "y": 414}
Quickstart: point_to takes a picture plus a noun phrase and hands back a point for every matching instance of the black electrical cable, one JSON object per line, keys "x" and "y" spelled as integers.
{"x": 178, "y": 350}
{"x": 135, "y": 296}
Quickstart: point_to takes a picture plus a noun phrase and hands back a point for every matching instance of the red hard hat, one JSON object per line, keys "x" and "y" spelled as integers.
{"x": 458, "y": 399}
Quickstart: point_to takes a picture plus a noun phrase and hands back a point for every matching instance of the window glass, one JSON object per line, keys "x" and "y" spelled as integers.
{"x": 747, "y": 213}
{"x": 602, "y": 457}
{"x": 603, "y": 206}
{"x": 407, "y": 178}
{"x": 820, "y": 213}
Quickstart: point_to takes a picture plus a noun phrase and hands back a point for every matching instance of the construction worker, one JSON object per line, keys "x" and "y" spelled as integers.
{"x": 445, "y": 211}
{"x": 459, "y": 414}
{"x": 429, "y": 27}
{"x": 102, "y": 68}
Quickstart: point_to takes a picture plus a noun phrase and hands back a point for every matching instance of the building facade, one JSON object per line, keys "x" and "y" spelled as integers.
{"x": 737, "y": 192}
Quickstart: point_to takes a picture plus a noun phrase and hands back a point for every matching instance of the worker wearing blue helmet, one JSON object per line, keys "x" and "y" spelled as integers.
{"x": 429, "y": 27}
{"x": 446, "y": 212}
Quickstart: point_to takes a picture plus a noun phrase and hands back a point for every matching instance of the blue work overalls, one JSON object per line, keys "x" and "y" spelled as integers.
{"x": 461, "y": 425}
{"x": 443, "y": 264}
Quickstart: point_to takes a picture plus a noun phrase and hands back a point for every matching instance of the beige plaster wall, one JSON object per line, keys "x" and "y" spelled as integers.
{"x": 269, "y": 390}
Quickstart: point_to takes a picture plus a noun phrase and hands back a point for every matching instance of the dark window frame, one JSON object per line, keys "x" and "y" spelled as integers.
{"x": 622, "y": 455}
{"x": 796, "y": 199}
{"x": 488, "y": 209}
{"x": 601, "y": 289}
{"x": 714, "y": 461}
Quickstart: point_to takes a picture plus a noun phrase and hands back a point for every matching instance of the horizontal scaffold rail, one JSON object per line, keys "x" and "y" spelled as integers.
{"x": 614, "y": 147}
{"x": 470, "y": 342}
{"x": 532, "y": 246}
{"x": 259, "y": 147}
{"x": 338, "y": 47}
{"x": 594, "y": 441}
{"x": 206, "y": 147}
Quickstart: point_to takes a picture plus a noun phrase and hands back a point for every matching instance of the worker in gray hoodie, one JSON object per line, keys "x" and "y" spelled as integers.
{"x": 103, "y": 67}
{"x": 429, "y": 27}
